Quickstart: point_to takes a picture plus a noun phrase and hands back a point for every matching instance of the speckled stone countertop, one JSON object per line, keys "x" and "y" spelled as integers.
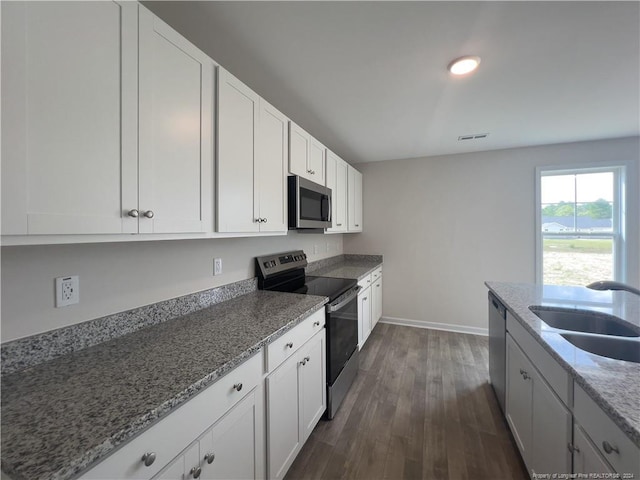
{"x": 61, "y": 416}
{"x": 613, "y": 384}
{"x": 349, "y": 266}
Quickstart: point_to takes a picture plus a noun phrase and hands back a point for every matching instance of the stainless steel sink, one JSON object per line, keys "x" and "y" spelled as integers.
{"x": 585, "y": 321}
{"x": 611, "y": 347}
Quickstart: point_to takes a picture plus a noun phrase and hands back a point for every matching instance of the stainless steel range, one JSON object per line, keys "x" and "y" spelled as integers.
{"x": 285, "y": 272}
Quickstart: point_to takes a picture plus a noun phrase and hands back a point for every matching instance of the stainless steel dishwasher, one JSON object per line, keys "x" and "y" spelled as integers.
{"x": 497, "y": 347}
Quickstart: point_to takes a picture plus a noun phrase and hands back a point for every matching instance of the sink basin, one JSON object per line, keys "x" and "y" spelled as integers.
{"x": 585, "y": 321}
{"x": 611, "y": 347}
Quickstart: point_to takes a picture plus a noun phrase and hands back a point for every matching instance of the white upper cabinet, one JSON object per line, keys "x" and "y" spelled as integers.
{"x": 107, "y": 122}
{"x": 176, "y": 136}
{"x": 237, "y": 125}
{"x": 252, "y": 155}
{"x": 272, "y": 155}
{"x": 69, "y": 103}
{"x": 336, "y": 180}
{"x": 306, "y": 155}
{"x": 354, "y": 193}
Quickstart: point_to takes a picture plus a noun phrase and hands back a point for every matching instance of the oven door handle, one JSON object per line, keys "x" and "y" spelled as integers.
{"x": 334, "y": 307}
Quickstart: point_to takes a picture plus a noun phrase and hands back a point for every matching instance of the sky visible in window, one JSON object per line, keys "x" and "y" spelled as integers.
{"x": 591, "y": 187}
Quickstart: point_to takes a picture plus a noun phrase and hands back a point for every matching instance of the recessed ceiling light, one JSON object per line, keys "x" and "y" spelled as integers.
{"x": 464, "y": 65}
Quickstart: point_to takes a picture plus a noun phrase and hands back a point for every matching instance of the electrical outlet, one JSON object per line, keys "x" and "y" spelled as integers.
{"x": 217, "y": 266}
{"x": 67, "y": 291}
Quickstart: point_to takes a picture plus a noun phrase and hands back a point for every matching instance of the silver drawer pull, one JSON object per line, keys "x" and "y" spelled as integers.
{"x": 290, "y": 345}
{"x": 210, "y": 457}
{"x": 148, "y": 458}
{"x": 316, "y": 324}
{"x": 133, "y": 213}
{"x": 149, "y": 214}
{"x": 237, "y": 387}
{"x": 608, "y": 448}
{"x": 305, "y": 360}
{"x": 195, "y": 472}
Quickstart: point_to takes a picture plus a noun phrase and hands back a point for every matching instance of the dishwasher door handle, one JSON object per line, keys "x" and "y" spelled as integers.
{"x": 334, "y": 307}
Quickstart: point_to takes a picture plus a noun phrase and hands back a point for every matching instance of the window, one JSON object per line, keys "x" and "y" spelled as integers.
{"x": 579, "y": 224}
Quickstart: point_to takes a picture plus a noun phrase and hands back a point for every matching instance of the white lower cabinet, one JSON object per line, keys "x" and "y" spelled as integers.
{"x": 233, "y": 448}
{"x": 229, "y": 412}
{"x": 586, "y": 458}
{"x": 364, "y": 316}
{"x": 376, "y": 297}
{"x": 296, "y": 400}
{"x": 539, "y": 421}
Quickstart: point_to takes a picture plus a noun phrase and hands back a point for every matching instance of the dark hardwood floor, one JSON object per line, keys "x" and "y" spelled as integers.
{"x": 421, "y": 407}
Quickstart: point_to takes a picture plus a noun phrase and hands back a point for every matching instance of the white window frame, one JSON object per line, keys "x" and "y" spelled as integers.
{"x": 618, "y": 220}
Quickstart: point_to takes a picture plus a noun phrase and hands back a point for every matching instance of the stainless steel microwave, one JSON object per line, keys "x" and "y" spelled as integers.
{"x": 309, "y": 204}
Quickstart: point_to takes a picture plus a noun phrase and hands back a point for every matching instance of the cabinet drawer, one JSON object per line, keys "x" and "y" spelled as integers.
{"x": 365, "y": 282}
{"x": 377, "y": 273}
{"x": 556, "y": 376}
{"x": 282, "y": 348}
{"x": 173, "y": 433}
{"x": 604, "y": 433}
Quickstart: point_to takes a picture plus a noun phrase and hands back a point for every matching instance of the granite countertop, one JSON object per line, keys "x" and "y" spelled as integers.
{"x": 62, "y": 416}
{"x": 356, "y": 267}
{"x": 613, "y": 384}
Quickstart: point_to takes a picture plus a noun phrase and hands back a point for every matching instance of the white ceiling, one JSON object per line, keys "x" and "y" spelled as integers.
{"x": 369, "y": 79}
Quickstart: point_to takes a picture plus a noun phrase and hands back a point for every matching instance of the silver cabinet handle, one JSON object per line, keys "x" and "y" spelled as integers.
{"x": 364, "y": 298}
{"x": 305, "y": 360}
{"x": 264, "y": 220}
{"x": 237, "y": 387}
{"x": 316, "y": 324}
{"x": 378, "y": 285}
{"x": 210, "y": 457}
{"x": 290, "y": 345}
{"x": 572, "y": 448}
{"x": 257, "y": 220}
{"x": 309, "y": 170}
{"x": 608, "y": 448}
{"x": 338, "y": 224}
{"x": 148, "y": 458}
{"x": 195, "y": 472}
{"x": 149, "y": 214}
{"x": 357, "y": 225}
{"x": 133, "y": 213}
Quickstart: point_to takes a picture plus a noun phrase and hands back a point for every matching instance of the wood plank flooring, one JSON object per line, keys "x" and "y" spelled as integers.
{"x": 421, "y": 407}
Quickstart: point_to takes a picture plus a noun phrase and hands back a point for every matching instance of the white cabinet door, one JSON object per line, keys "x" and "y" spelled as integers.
{"x": 586, "y": 458}
{"x": 316, "y": 162}
{"x": 69, "y": 117}
{"x": 299, "y": 149}
{"x": 306, "y": 155}
{"x": 283, "y": 433}
{"x": 551, "y": 430}
{"x": 271, "y": 169}
{"x": 364, "y": 315}
{"x": 354, "y": 194}
{"x": 313, "y": 383}
{"x": 186, "y": 466}
{"x": 336, "y": 180}
{"x": 235, "y": 444}
{"x": 519, "y": 399}
{"x": 376, "y": 301}
{"x": 237, "y": 124}
{"x": 176, "y": 136}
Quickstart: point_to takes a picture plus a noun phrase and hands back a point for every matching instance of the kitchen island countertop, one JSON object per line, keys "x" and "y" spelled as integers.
{"x": 613, "y": 384}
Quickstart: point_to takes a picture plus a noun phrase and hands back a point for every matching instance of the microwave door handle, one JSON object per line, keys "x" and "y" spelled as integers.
{"x": 329, "y": 198}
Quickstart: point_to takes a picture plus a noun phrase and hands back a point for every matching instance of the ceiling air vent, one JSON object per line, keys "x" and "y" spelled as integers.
{"x": 475, "y": 136}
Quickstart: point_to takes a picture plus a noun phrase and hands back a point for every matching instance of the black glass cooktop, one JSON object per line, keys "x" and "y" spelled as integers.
{"x": 321, "y": 286}
{"x": 327, "y": 286}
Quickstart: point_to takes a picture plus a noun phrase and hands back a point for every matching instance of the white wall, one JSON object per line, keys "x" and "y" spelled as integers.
{"x": 119, "y": 276}
{"x": 446, "y": 224}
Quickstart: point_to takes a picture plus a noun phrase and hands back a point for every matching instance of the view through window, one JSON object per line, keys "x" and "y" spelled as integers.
{"x": 579, "y": 221}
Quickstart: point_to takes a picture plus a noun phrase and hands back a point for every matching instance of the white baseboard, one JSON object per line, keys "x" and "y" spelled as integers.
{"x": 436, "y": 326}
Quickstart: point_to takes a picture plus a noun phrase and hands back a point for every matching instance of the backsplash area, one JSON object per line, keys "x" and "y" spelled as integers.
{"x": 117, "y": 277}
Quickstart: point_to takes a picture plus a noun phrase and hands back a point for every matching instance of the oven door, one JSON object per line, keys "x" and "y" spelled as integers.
{"x": 309, "y": 204}
{"x": 342, "y": 332}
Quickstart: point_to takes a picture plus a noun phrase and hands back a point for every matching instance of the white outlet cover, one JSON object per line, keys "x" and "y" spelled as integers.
{"x": 217, "y": 266}
{"x": 67, "y": 291}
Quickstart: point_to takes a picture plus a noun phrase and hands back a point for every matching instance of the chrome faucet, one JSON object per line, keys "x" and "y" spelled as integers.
{"x": 610, "y": 285}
